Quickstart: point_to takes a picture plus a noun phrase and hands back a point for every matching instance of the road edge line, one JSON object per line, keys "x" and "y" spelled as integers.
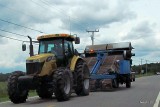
{"x": 157, "y": 101}
{"x": 10, "y": 101}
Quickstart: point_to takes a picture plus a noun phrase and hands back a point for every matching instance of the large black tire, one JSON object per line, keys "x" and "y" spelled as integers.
{"x": 44, "y": 92}
{"x": 128, "y": 81}
{"x": 92, "y": 85}
{"x": 15, "y": 94}
{"x": 82, "y": 71}
{"x": 134, "y": 77}
{"x": 63, "y": 80}
{"x": 115, "y": 83}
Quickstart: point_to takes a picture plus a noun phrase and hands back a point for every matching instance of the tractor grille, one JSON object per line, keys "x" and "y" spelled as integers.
{"x": 34, "y": 67}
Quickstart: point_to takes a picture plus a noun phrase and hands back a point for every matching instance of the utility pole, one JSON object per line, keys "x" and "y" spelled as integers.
{"x": 141, "y": 65}
{"x": 92, "y": 36}
{"x": 146, "y": 67}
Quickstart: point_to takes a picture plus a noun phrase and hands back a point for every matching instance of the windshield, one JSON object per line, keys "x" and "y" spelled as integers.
{"x": 51, "y": 46}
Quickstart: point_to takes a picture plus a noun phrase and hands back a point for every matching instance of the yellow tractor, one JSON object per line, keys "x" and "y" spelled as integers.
{"x": 56, "y": 69}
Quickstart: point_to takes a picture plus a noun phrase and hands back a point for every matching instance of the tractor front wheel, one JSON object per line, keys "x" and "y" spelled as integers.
{"x": 16, "y": 95}
{"x": 63, "y": 81}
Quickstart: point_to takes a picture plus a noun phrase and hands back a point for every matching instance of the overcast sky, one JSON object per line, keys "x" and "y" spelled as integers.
{"x": 135, "y": 21}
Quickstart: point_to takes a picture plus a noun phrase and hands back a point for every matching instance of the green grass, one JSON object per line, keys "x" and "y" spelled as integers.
{"x": 4, "y": 95}
{"x": 32, "y": 93}
{"x": 3, "y": 91}
{"x": 143, "y": 75}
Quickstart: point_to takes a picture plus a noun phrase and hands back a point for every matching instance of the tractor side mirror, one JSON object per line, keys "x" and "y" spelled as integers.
{"x": 77, "y": 40}
{"x": 76, "y": 52}
{"x": 133, "y": 54}
{"x": 23, "y": 47}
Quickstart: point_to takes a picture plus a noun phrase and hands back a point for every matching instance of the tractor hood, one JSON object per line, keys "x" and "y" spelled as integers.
{"x": 41, "y": 65}
{"x": 40, "y": 58}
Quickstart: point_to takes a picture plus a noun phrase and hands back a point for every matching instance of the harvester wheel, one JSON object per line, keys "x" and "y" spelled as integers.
{"x": 44, "y": 92}
{"x": 134, "y": 79}
{"x": 63, "y": 80}
{"x": 93, "y": 85}
{"x": 115, "y": 83}
{"x": 82, "y": 88}
{"x": 128, "y": 82}
{"x": 15, "y": 94}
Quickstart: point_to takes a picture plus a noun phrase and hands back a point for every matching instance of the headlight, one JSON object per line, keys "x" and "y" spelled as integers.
{"x": 50, "y": 58}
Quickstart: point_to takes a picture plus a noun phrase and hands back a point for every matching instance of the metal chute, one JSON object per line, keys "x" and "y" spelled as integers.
{"x": 123, "y": 48}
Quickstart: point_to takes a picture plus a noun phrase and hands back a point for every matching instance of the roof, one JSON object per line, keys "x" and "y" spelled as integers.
{"x": 56, "y": 36}
{"x": 111, "y": 46}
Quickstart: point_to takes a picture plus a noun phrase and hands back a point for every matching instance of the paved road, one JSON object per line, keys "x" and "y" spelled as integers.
{"x": 143, "y": 93}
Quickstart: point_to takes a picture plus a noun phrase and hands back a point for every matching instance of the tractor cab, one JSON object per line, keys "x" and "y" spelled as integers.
{"x": 57, "y": 48}
{"x": 60, "y": 45}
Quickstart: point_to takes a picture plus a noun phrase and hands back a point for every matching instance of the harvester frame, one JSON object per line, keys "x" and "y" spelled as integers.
{"x": 122, "y": 75}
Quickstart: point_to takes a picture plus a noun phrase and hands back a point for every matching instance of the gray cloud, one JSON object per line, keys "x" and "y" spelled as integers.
{"x": 25, "y": 13}
{"x": 141, "y": 30}
{"x": 98, "y": 14}
{"x": 83, "y": 14}
{"x": 142, "y": 36}
{"x": 2, "y": 40}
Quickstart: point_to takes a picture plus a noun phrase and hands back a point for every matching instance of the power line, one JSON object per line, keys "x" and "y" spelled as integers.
{"x": 20, "y": 25}
{"x": 12, "y": 33}
{"x": 18, "y": 11}
{"x": 44, "y": 2}
{"x": 17, "y": 39}
{"x": 60, "y": 10}
{"x": 11, "y": 38}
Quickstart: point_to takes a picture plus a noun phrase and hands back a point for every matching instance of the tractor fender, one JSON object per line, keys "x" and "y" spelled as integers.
{"x": 74, "y": 61}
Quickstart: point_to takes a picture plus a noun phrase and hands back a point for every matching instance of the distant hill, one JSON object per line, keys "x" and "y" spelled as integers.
{"x": 4, "y": 77}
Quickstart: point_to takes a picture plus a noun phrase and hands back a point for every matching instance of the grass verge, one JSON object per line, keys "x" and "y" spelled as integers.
{"x": 143, "y": 75}
{"x": 4, "y": 95}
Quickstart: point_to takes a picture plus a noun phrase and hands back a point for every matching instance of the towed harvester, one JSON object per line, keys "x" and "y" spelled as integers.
{"x": 109, "y": 64}
{"x": 56, "y": 69}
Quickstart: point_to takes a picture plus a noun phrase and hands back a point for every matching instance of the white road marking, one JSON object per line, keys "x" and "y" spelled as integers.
{"x": 143, "y": 102}
{"x": 157, "y": 101}
{"x": 5, "y": 102}
{"x": 51, "y": 106}
{"x": 10, "y": 101}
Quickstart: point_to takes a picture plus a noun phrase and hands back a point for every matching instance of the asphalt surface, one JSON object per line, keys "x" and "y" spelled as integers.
{"x": 143, "y": 93}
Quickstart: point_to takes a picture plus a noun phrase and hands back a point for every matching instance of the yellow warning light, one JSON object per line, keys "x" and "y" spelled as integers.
{"x": 91, "y": 51}
{"x": 64, "y": 35}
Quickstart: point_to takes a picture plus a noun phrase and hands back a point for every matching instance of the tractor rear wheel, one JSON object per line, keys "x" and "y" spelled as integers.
{"x": 63, "y": 81}
{"x": 16, "y": 95}
{"x": 82, "y": 71}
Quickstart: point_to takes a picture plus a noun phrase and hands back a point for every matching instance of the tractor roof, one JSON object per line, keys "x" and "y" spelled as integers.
{"x": 67, "y": 36}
